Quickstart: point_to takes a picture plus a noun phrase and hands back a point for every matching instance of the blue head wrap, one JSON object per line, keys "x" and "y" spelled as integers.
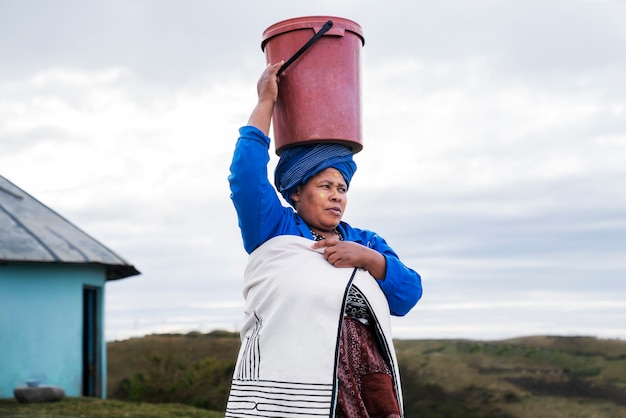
{"x": 298, "y": 164}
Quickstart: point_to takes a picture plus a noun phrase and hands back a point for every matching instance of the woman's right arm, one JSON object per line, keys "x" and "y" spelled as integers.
{"x": 258, "y": 207}
{"x": 267, "y": 89}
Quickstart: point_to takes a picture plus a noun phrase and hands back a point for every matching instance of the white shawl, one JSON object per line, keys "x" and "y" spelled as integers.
{"x": 290, "y": 337}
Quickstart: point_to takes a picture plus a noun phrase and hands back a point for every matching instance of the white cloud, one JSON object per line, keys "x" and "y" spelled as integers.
{"x": 488, "y": 170}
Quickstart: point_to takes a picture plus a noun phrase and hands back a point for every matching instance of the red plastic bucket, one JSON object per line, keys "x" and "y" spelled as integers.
{"x": 319, "y": 97}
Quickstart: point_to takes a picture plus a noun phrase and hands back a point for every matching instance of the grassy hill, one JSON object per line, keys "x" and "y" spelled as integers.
{"x": 193, "y": 369}
{"x": 534, "y": 377}
{"x": 524, "y": 377}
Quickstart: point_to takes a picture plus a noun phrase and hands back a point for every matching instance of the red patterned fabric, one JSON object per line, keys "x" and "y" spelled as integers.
{"x": 366, "y": 387}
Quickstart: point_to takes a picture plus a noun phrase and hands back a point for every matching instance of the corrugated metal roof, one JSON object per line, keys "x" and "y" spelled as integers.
{"x": 32, "y": 232}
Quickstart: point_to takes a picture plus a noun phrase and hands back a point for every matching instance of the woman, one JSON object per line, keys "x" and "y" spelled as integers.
{"x": 316, "y": 340}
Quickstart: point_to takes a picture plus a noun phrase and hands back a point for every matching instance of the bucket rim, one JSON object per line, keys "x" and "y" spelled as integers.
{"x": 309, "y": 22}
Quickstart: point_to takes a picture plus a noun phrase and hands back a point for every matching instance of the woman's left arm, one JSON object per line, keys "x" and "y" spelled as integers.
{"x": 401, "y": 285}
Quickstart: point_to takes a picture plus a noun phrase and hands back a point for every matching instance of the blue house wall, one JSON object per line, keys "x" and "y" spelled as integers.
{"x": 41, "y": 325}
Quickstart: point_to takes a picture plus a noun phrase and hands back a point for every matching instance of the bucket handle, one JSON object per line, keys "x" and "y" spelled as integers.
{"x": 306, "y": 46}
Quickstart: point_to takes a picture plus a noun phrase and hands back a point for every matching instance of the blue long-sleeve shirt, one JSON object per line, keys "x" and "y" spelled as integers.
{"x": 262, "y": 216}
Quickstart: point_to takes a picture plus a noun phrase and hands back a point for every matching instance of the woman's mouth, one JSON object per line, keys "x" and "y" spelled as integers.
{"x": 336, "y": 211}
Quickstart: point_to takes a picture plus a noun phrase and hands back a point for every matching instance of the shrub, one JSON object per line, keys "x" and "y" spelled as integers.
{"x": 203, "y": 384}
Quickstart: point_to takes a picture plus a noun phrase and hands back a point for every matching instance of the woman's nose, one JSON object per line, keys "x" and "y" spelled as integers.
{"x": 335, "y": 195}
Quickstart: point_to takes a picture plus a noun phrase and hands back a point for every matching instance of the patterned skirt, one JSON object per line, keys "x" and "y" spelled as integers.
{"x": 366, "y": 386}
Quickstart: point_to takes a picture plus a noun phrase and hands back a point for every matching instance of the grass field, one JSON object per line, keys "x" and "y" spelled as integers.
{"x": 532, "y": 377}
{"x": 95, "y": 408}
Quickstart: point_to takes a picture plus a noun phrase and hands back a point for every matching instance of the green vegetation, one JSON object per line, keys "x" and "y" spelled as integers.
{"x": 534, "y": 377}
{"x": 194, "y": 369}
{"x": 96, "y": 408}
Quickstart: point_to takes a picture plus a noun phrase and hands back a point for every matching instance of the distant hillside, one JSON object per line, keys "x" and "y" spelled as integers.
{"x": 532, "y": 377}
{"x": 549, "y": 377}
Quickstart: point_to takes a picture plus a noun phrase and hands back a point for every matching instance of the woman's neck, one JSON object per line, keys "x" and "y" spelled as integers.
{"x": 324, "y": 232}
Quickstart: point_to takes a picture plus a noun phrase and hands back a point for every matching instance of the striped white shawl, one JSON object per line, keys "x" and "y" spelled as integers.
{"x": 294, "y": 303}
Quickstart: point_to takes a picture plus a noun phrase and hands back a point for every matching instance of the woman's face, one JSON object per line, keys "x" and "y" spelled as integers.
{"x": 321, "y": 202}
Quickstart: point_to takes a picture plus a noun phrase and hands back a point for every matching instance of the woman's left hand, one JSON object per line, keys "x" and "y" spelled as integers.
{"x": 351, "y": 254}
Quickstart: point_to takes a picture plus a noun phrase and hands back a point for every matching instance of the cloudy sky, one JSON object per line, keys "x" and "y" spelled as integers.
{"x": 494, "y": 151}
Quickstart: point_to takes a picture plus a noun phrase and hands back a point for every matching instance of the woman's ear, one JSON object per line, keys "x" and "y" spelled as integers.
{"x": 295, "y": 196}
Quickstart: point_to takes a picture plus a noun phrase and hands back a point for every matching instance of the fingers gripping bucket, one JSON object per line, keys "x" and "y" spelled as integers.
{"x": 319, "y": 98}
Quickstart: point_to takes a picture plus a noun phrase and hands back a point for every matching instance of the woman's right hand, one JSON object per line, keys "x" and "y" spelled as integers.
{"x": 267, "y": 89}
{"x": 267, "y": 86}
